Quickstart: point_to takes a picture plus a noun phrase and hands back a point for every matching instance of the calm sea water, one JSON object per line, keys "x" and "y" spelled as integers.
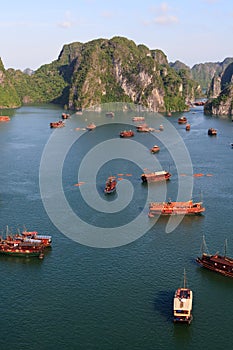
{"x": 83, "y": 297}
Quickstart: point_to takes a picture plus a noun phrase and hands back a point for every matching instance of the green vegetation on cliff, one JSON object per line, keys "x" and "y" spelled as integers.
{"x": 102, "y": 70}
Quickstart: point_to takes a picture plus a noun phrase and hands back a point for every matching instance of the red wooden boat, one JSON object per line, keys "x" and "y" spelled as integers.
{"x": 126, "y": 133}
{"x": 13, "y": 247}
{"x": 155, "y": 149}
{"x": 91, "y": 126}
{"x": 212, "y": 132}
{"x": 182, "y": 120}
{"x": 156, "y": 176}
{"x": 110, "y": 185}
{"x": 4, "y": 118}
{"x": 175, "y": 208}
{"x": 58, "y": 124}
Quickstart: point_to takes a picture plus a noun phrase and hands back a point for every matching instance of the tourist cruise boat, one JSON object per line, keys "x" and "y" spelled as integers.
{"x": 13, "y": 247}
{"x": 217, "y": 263}
{"x": 156, "y": 176}
{"x": 175, "y": 208}
{"x": 182, "y": 304}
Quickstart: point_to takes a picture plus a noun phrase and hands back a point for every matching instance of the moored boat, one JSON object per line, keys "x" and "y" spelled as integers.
{"x": 212, "y": 132}
{"x": 91, "y": 126}
{"x": 110, "y": 185}
{"x": 182, "y": 304}
{"x": 182, "y": 120}
{"x": 156, "y": 176}
{"x": 4, "y": 118}
{"x": 144, "y": 128}
{"x": 13, "y": 247}
{"x": 138, "y": 119}
{"x": 110, "y": 114}
{"x": 58, "y": 124}
{"x": 175, "y": 208}
{"x": 218, "y": 263}
{"x": 31, "y": 236}
{"x": 126, "y": 133}
{"x": 155, "y": 149}
{"x": 65, "y": 116}
{"x": 188, "y": 127}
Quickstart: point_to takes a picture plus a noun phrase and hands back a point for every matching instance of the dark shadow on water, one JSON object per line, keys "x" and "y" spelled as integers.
{"x": 163, "y": 303}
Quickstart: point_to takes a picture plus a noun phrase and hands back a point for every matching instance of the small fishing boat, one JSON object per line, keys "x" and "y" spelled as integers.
{"x": 110, "y": 185}
{"x": 156, "y": 176}
{"x": 231, "y": 145}
{"x": 58, "y": 124}
{"x": 126, "y": 133}
{"x": 212, "y": 132}
{"x": 182, "y": 120}
{"x": 182, "y": 304}
{"x": 175, "y": 208}
{"x": 188, "y": 126}
{"x": 91, "y": 126}
{"x": 155, "y": 149}
{"x": 218, "y": 263}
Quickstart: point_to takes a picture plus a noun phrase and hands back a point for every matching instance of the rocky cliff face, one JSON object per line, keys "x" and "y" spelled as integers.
{"x": 221, "y": 92}
{"x": 119, "y": 70}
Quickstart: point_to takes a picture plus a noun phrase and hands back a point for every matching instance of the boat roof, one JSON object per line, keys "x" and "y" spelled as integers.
{"x": 162, "y": 172}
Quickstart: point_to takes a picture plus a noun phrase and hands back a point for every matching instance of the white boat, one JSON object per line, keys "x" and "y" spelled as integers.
{"x": 182, "y": 304}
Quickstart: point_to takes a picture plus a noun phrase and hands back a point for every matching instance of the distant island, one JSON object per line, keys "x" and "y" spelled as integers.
{"x": 117, "y": 70}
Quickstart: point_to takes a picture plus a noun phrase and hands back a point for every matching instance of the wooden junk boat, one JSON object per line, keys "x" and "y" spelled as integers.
{"x": 182, "y": 304}
{"x": 126, "y": 133}
{"x": 58, "y": 124}
{"x": 175, "y": 208}
{"x": 155, "y": 149}
{"x": 182, "y": 120}
{"x": 110, "y": 185}
{"x": 156, "y": 176}
{"x": 212, "y": 132}
{"x": 218, "y": 263}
